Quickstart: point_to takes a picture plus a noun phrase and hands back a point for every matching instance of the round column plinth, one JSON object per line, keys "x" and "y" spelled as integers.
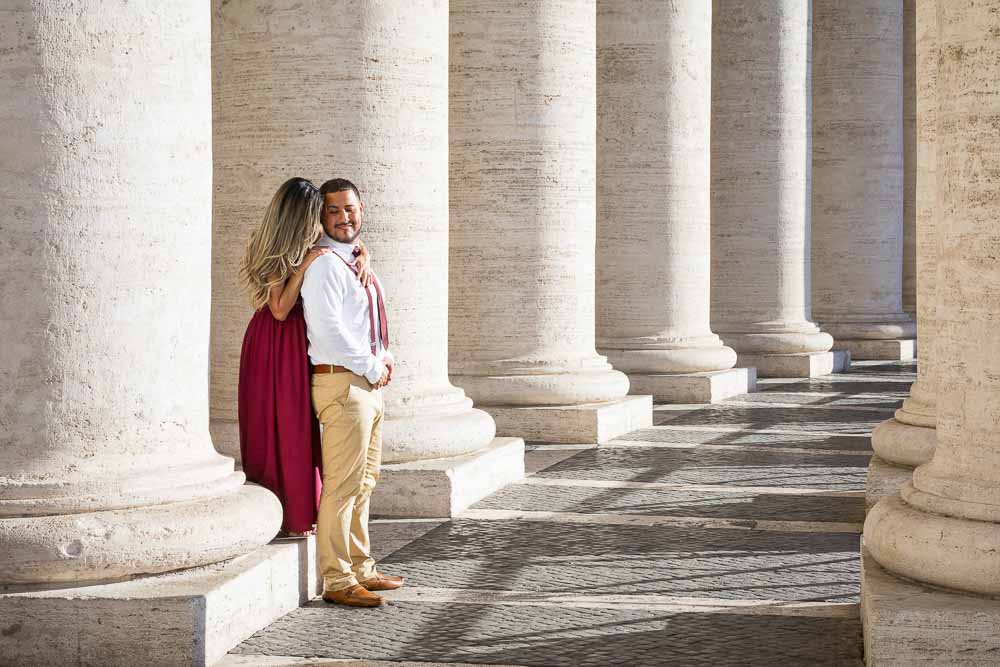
{"x": 792, "y": 340}
{"x": 933, "y": 548}
{"x": 875, "y": 328}
{"x": 699, "y": 355}
{"x": 107, "y": 545}
{"x": 903, "y": 444}
{"x": 545, "y": 385}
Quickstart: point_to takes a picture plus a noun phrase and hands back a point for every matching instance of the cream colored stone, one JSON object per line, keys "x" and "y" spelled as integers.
{"x": 179, "y": 619}
{"x": 587, "y": 423}
{"x": 522, "y": 138}
{"x": 871, "y": 350}
{"x": 322, "y": 89}
{"x": 908, "y": 438}
{"x": 803, "y": 365}
{"x": 912, "y": 107}
{"x": 884, "y": 479}
{"x": 693, "y": 388}
{"x": 945, "y": 527}
{"x": 445, "y": 487}
{"x": 106, "y": 465}
{"x": 906, "y": 624}
{"x": 857, "y": 162}
{"x": 654, "y": 74}
{"x": 761, "y": 179}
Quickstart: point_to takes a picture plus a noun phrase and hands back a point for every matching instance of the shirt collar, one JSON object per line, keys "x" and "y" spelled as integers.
{"x": 345, "y": 250}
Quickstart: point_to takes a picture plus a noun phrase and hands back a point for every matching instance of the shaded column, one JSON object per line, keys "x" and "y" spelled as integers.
{"x": 910, "y": 158}
{"x": 760, "y": 187}
{"x": 857, "y": 199}
{"x": 654, "y": 92}
{"x": 523, "y": 215}
{"x": 907, "y": 440}
{"x": 323, "y": 89}
{"x": 106, "y": 465}
{"x": 945, "y": 527}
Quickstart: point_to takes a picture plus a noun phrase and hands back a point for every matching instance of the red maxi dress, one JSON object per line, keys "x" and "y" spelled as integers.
{"x": 279, "y": 433}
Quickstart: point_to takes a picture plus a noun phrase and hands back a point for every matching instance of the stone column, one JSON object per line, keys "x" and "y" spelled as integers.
{"x": 106, "y": 465}
{"x": 945, "y": 527}
{"x": 857, "y": 199}
{"x": 907, "y": 440}
{"x": 522, "y": 92}
{"x": 760, "y": 188}
{"x": 910, "y": 159}
{"x": 346, "y": 88}
{"x": 654, "y": 92}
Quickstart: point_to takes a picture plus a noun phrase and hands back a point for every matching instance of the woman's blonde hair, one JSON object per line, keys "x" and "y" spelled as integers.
{"x": 279, "y": 244}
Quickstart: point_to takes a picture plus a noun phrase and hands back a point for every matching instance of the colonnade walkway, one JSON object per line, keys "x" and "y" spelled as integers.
{"x": 725, "y": 534}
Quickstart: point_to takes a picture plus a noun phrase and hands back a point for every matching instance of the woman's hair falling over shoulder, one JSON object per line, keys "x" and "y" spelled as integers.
{"x": 279, "y": 244}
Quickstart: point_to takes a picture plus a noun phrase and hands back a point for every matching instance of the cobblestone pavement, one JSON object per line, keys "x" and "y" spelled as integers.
{"x": 724, "y": 535}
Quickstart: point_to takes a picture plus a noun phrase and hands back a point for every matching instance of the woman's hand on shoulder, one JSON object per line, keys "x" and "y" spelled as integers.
{"x": 363, "y": 264}
{"x": 314, "y": 252}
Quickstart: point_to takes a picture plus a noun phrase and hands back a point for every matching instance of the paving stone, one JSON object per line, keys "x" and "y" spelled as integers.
{"x": 557, "y": 636}
{"x": 523, "y": 555}
{"x": 885, "y": 402}
{"x": 727, "y": 505}
{"x": 837, "y": 472}
{"x": 751, "y": 417}
{"x": 805, "y": 441}
{"x": 844, "y": 385}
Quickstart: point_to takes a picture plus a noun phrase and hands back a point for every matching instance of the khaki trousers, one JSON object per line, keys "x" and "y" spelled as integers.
{"x": 351, "y": 414}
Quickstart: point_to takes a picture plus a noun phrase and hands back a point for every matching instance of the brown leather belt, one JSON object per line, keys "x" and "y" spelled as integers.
{"x": 329, "y": 368}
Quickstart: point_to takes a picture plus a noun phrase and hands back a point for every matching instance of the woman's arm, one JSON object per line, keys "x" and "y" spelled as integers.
{"x": 363, "y": 263}
{"x": 282, "y": 298}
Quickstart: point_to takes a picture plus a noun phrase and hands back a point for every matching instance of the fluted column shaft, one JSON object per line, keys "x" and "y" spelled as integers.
{"x": 355, "y": 90}
{"x": 106, "y": 465}
{"x": 945, "y": 527}
{"x": 857, "y": 197}
{"x": 654, "y": 69}
{"x": 761, "y": 177}
{"x": 523, "y": 226}
{"x": 908, "y": 438}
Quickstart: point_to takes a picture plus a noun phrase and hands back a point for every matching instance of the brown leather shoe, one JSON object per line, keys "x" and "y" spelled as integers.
{"x": 381, "y": 582}
{"x": 353, "y": 596}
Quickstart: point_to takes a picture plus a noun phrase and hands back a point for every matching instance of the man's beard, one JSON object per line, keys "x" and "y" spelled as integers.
{"x": 352, "y": 233}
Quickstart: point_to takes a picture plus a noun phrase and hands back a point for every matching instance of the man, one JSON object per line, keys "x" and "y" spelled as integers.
{"x": 348, "y": 347}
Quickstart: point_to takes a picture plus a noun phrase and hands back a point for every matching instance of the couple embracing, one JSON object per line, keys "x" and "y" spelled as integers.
{"x": 317, "y": 352}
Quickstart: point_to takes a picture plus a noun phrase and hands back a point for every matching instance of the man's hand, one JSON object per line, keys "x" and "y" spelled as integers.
{"x": 390, "y": 366}
{"x": 382, "y": 381}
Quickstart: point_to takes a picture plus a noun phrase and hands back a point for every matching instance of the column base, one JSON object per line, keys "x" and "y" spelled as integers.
{"x": 909, "y": 624}
{"x": 804, "y": 365}
{"x": 884, "y": 479}
{"x": 709, "y": 387}
{"x": 191, "y": 617}
{"x": 900, "y": 349}
{"x": 225, "y": 435}
{"x": 444, "y": 487}
{"x": 586, "y": 423}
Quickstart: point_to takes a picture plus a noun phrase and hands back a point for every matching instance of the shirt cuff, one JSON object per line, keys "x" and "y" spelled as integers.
{"x": 375, "y": 374}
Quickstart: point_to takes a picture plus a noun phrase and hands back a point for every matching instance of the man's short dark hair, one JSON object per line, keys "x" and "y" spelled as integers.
{"x": 339, "y": 185}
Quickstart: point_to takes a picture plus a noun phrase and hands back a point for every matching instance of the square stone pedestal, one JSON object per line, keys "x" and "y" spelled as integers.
{"x": 444, "y": 487}
{"x": 587, "y": 423}
{"x": 191, "y": 617}
{"x": 879, "y": 350}
{"x": 695, "y": 387}
{"x": 906, "y": 624}
{"x": 884, "y": 479}
{"x": 807, "y": 365}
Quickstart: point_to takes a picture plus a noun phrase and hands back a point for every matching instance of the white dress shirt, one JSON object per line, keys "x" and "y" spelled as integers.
{"x": 336, "y": 310}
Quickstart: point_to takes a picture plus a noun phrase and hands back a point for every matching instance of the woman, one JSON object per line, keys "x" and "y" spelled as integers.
{"x": 279, "y": 434}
